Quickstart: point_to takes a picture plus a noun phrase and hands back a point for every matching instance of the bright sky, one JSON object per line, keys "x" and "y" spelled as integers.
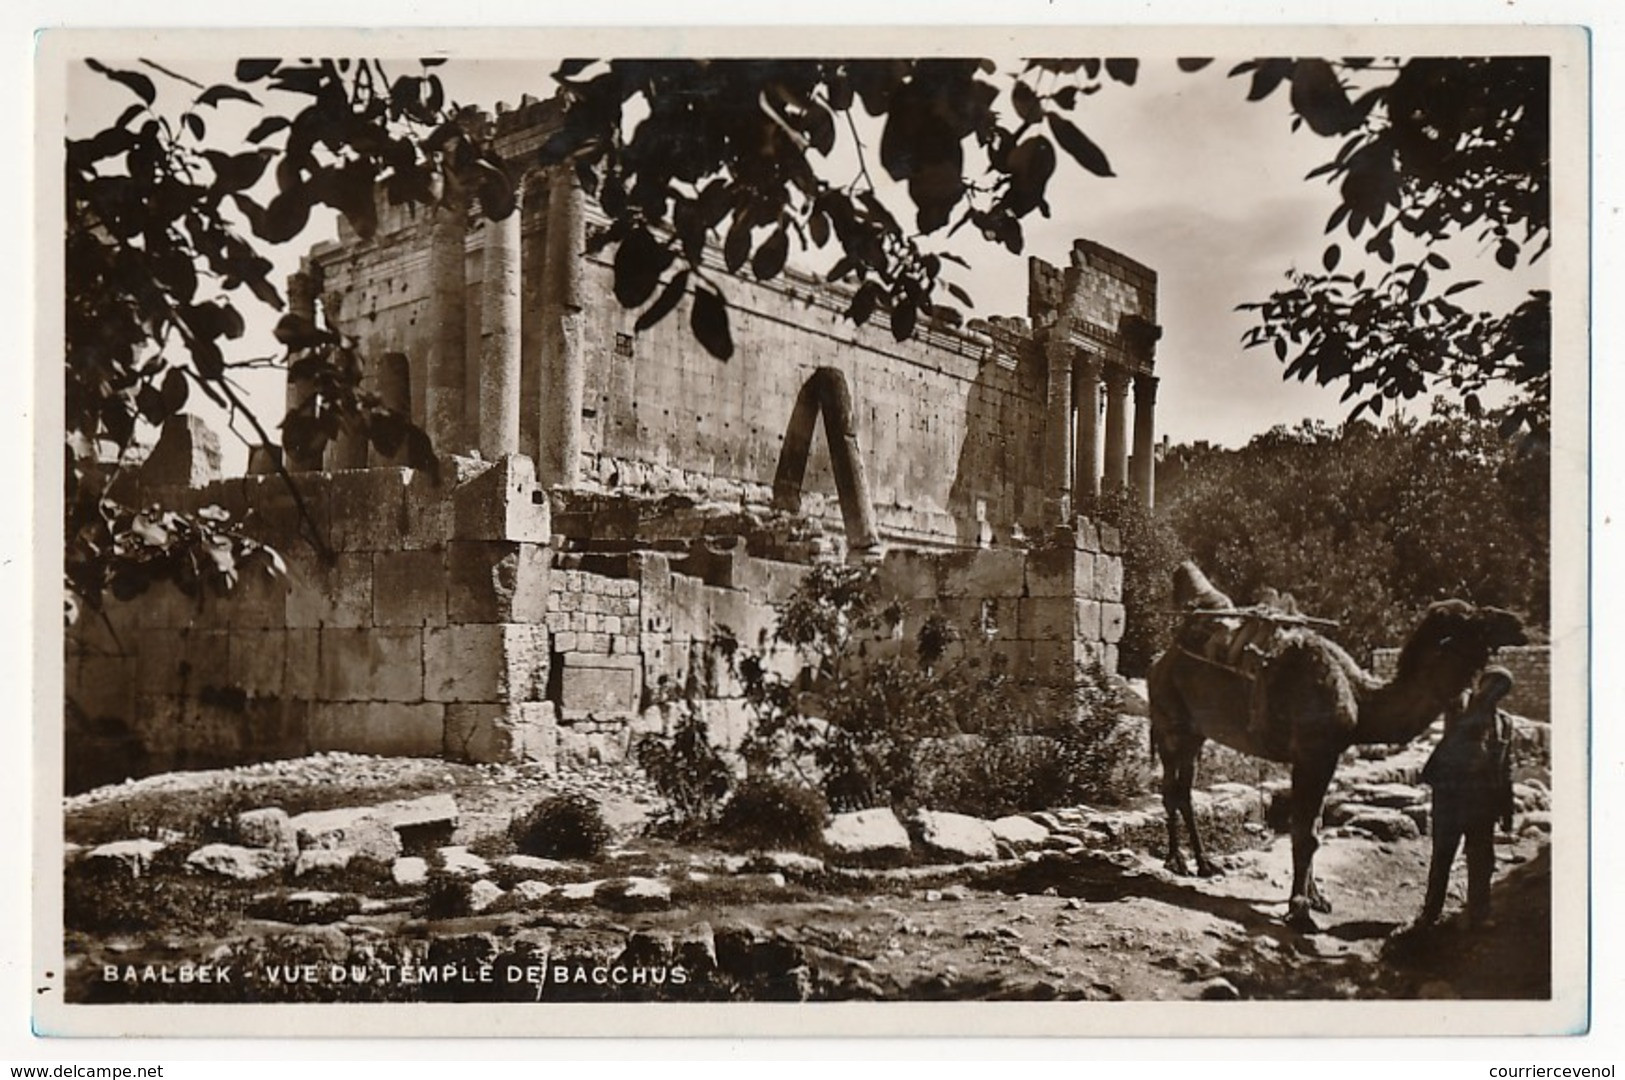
{"x": 1209, "y": 192}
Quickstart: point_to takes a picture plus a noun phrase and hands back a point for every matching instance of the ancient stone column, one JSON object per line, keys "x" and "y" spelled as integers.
{"x": 1145, "y": 428}
{"x": 303, "y": 288}
{"x": 1116, "y": 430}
{"x": 1085, "y": 442}
{"x": 443, "y": 398}
{"x": 500, "y": 340}
{"x": 1058, "y": 424}
{"x": 563, "y": 360}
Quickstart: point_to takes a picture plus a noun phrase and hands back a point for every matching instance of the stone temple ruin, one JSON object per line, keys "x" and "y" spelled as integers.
{"x": 609, "y": 498}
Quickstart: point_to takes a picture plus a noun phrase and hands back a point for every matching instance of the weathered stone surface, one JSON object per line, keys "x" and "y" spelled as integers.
{"x": 322, "y": 860}
{"x": 793, "y": 861}
{"x": 956, "y": 837}
{"x": 579, "y": 891}
{"x": 394, "y": 729}
{"x": 1384, "y": 823}
{"x": 504, "y": 502}
{"x": 482, "y": 894}
{"x": 995, "y": 573}
{"x": 532, "y": 864}
{"x": 409, "y": 870}
{"x": 867, "y": 836}
{"x": 495, "y": 581}
{"x": 187, "y": 455}
{"x": 635, "y": 894}
{"x": 460, "y": 861}
{"x": 239, "y": 863}
{"x": 588, "y": 687}
{"x": 1019, "y": 831}
{"x": 358, "y": 829}
{"x": 531, "y": 892}
{"x": 491, "y": 732}
{"x": 417, "y": 813}
{"x": 134, "y": 855}
{"x": 409, "y": 588}
{"x": 268, "y": 828}
{"x": 1391, "y": 796}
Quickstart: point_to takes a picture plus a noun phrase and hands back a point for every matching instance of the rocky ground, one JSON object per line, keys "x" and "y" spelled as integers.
{"x": 345, "y": 878}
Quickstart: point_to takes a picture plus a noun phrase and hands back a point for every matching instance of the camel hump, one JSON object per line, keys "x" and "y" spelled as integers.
{"x": 1193, "y": 590}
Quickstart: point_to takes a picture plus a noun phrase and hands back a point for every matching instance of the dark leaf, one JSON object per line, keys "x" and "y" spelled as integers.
{"x": 903, "y": 316}
{"x": 137, "y": 82}
{"x": 194, "y": 124}
{"x": 1027, "y": 105}
{"x": 236, "y": 172}
{"x": 1318, "y": 96}
{"x": 1267, "y": 75}
{"x": 736, "y": 248}
{"x": 1506, "y": 253}
{"x": 1080, "y": 146}
{"x": 1123, "y": 70}
{"x": 1461, "y": 286}
{"x": 709, "y": 321}
{"x": 769, "y": 258}
{"x": 175, "y": 391}
{"x": 864, "y": 302}
{"x": 255, "y": 70}
{"x": 1193, "y": 63}
{"x": 664, "y": 303}
{"x": 150, "y": 403}
{"x": 214, "y": 95}
{"x": 1330, "y": 258}
{"x": 640, "y": 260}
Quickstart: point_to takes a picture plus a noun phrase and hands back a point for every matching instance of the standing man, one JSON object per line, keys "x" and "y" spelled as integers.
{"x": 1471, "y": 775}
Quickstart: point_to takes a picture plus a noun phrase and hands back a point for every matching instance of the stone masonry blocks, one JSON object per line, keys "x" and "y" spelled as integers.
{"x": 493, "y": 581}
{"x": 371, "y": 727}
{"x": 504, "y": 502}
{"x": 1112, "y": 621}
{"x": 981, "y": 573}
{"x": 409, "y": 588}
{"x": 500, "y": 662}
{"x": 371, "y": 665}
{"x": 488, "y": 732}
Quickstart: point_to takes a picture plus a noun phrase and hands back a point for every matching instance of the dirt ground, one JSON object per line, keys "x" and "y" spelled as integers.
{"x": 1092, "y": 924}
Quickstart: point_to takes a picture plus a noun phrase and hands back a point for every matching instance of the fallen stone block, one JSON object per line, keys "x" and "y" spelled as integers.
{"x": 867, "y": 837}
{"x": 269, "y": 828}
{"x": 531, "y": 892}
{"x": 635, "y": 894}
{"x": 318, "y": 860}
{"x": 357, "y": 829}
{"x": 482, "y": 894}
{"x": 1019, "y": 831}
{"x": 1383, "y": 823}
{"x": 956, "y": 837}
{"x": 134, "y": 855}
{"x": 238, "y": 863}
{"x": 533, "y": 864}
{"x": 410, "y": 870}
{"x": 462, "y": 862}
{"x": 1390, "y": 795}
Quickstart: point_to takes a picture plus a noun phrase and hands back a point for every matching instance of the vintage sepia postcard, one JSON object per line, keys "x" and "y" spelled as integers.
{"x": 981, "y": 531}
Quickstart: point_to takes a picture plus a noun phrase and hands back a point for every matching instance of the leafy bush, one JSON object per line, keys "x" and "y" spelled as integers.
{"x": 561, "y": 827}
{"x": 688, "y": 771}
{"x": 769, "y": 813}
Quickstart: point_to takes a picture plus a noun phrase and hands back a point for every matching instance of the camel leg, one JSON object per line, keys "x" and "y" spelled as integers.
{"x": 1309, "y": 782}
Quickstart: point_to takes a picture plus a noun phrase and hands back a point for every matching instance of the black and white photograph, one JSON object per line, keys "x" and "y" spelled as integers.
{"x": 983, "y": 531}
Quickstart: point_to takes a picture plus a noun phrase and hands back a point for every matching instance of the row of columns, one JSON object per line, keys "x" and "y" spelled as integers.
{"x": 472, "y": 401}
{"x": 1075, "y": 470}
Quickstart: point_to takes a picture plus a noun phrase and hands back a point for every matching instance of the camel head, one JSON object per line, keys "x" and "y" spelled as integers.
{"x": 1454, "y": 641}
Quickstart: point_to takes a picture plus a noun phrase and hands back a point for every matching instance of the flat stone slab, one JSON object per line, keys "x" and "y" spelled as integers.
{"x": 239, "y": 863}
{"x": 868, "y": 836}
{"x": 635, "y": 894}
{"x": 532, "y": 892}
{"x": 318, "y": 859}
{"x": 482, "y": 894}
{"x": 462, "y": 862}
{"x": 1019, "y": 831}
{"x": 418, "y": 813}
{"x": 410, "y": 870}
{"x": 135, "y": 855}
{"x": 1391, "y": 796}
{"x": 358, "y": 829}
{"x": 534, "y": 864}
{"x": 956, "y": 837}
{"x": 1384, "y": 823}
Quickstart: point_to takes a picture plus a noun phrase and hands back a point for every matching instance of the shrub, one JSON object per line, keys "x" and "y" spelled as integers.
{"x": 687, "y": 770}
{"x": 561, "y": 827}
{"x": 770, "y": 813}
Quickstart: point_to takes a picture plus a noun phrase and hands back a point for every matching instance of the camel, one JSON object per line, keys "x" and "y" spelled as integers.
{"x": 1319, "y": 704}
